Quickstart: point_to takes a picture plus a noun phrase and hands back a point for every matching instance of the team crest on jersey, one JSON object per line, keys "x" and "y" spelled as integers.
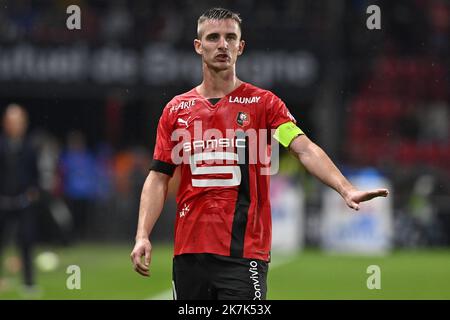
{"x": 243, "y": 119}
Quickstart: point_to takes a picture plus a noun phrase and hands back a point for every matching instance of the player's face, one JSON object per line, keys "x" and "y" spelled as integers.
{"x": 15, "y": 123}
{"x": 220, "y": 43}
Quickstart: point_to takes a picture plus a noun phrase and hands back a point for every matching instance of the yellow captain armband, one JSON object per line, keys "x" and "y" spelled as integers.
{"x": 286, "y": 132}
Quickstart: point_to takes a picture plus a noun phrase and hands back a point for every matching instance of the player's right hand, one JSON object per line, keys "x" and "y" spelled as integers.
{"x": 142, "y": 248}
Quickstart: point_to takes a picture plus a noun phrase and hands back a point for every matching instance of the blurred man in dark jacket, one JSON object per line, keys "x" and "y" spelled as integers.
{"x": 18, "y": 186}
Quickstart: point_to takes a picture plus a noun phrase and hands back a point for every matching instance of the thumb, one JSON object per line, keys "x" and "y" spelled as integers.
{"x": 353, "y": 205}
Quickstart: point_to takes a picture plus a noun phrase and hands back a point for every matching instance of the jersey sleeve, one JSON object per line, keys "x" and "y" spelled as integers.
{"x": 277, "y": 113}
{"x": 162, "y": 156}
{"x": 279, "y": 118}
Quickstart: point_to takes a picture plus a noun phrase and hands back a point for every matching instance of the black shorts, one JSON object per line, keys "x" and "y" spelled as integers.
{"x": 204, "y": 276}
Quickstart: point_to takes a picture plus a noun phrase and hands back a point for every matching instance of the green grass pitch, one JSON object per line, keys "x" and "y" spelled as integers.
{"x": 106, "y": 273}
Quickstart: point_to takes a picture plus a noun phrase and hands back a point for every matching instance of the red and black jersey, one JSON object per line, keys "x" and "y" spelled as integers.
{"x": 223, "y": 198}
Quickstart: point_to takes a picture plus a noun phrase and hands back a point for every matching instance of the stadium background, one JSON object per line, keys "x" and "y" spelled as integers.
{"x": 371, "y": 98}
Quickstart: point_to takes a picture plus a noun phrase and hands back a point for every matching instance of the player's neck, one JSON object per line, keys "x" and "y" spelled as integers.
{"x": 218, "y": 84}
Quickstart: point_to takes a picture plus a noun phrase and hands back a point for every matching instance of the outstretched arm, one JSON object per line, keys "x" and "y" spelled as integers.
{"x": 320, "y": 165}
{"x": 153, "y": 196}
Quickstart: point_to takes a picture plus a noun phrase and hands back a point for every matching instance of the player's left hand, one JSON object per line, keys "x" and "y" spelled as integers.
{"x": 354, "y": 197}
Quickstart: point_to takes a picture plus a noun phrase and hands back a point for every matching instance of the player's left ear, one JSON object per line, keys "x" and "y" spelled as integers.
{"x": 241, "y": 47}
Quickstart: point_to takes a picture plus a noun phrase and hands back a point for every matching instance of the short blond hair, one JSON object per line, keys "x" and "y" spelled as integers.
{"x": 218, "y": 14}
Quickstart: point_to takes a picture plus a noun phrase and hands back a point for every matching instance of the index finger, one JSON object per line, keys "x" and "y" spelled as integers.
{"x": 381, "y": 192}
{"x": 139, "y": 269}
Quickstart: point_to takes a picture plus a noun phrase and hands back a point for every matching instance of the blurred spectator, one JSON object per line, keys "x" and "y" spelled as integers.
{"x": 105, "y": 171}
{"x": 18, "y": 187}
{"x": 55, "y": 219}
{"x": 78, "y": 173}
{"x": 48, "y": 157}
